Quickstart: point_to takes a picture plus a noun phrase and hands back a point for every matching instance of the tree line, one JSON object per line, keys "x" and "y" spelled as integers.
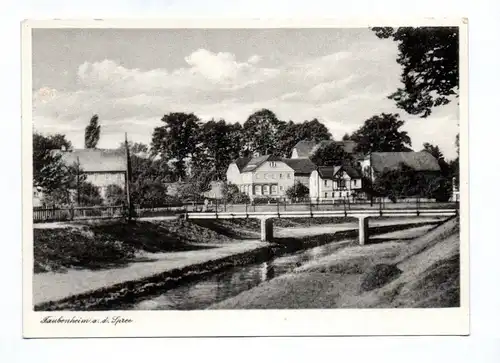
{"x": 184, "y": 148}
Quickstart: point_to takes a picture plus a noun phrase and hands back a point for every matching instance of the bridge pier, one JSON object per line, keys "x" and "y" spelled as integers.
{"x": 266, "y": 229}
{"x": 364, "y": 233}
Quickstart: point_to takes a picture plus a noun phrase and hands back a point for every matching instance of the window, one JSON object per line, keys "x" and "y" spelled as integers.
{"x": 281, "y": 187}
{"x": 289, "y": 176}
{"x": 274, "y": 189}
{"x": 281, "y": 175}
{"x": 258, "y": 190}
{"x": 354, "y": 182}
{"x": 326, "y": 182}
{"x": 265, "y": 190}
{"x": 326, "y": 195}
{"x": 273, "y": 164}
{"x": 341, "y": 183}
{"x": 274, "y": 176}
{"x": 257, "y": 175}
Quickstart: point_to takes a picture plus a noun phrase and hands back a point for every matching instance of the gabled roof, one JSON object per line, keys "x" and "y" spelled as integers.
{"x": 352, "y": 172}
{"x": 300, "y": 166}
{"x": 420, "y": 161}
{"x": 242, "y": 162}
{"x": 307, "y": 148}
{"x": 96, "y": 160}
{"x": 329, "y": 172}
{"x": 255, "y": 162}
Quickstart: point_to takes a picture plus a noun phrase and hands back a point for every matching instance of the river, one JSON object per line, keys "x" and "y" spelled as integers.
{"x": 218, "y": 287}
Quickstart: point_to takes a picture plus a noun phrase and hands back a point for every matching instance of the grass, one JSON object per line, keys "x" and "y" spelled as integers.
{"x": 111, "y": 244}
{"x": 419, "y": 273}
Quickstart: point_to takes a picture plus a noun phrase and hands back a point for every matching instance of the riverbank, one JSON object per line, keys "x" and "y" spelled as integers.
{"x": 418, "y": 273}
{"x": 153, "y": 271}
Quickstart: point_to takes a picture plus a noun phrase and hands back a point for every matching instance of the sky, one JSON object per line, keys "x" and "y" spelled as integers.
{"x": 132, "y": 77}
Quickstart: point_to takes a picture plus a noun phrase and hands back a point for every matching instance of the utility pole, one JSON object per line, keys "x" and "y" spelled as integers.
{"x": 127, "y": 179}
{"x": 78, "y": 181}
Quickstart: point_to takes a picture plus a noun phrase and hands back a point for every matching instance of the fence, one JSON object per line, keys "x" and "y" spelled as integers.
{"x": 102, "y": 212}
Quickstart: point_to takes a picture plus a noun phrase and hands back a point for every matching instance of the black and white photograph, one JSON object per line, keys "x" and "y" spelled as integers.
{"x": 244, "y": 169}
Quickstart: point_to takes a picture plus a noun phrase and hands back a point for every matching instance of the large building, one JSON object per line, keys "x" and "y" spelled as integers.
{"x": 332, "y": 183}
{"x": 376, "y": 163}
{"x": 102, "y": 167}
{"x": 268, "y": 175}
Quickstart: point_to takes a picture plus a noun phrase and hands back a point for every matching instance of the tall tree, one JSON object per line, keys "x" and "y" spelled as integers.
{"x": 261, "y": 133}
{"x": 382, "y": 134}
{"x": 332, "y": 155}
{"x": 92, "y": 133}
{"x": 178, "y": 139}
{"x": 435, "y": 151}
{"x": 49, "y": 171}
{"x": 346, "y": 137}
{"x": 429, "y": 59}
{"x": 220, "y": 144}
{"x": 292, "y": 133}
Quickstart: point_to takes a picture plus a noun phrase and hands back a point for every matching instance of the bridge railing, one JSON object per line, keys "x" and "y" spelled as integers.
{"x": 283, "y": 206}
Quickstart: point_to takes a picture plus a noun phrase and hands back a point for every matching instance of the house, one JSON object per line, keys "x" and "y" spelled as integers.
{"x": 307, "y": 148}
{"x": 261, "y": 176}
{"x": 102, "y": 167}
{"x": 302, "y": 169}
{"x": 330, "y": 183}
{"x": 376, "y": 163}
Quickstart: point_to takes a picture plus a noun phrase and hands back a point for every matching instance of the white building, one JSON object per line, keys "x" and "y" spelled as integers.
{"x": 330, "y": 183}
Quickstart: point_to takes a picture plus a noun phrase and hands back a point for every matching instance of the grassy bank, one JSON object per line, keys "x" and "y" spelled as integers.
{"x": 419, "y": 273}
{"x": 111, "y": 244}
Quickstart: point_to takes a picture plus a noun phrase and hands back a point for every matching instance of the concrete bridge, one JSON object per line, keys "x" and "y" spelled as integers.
{"x": 266, "y": 218}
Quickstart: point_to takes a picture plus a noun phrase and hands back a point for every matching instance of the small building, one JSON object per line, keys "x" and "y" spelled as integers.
{"x": 302, "y": 169}
{"x": 102, "y": 167}
{"x": 261, "y": 176}
{"x": 378, "y": 162}
{"x": 331, "y": 183}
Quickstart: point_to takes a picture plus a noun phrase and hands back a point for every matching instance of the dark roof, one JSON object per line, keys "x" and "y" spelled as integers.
{"x": 329, "y": 172}
{"x": 255, "y": 162}
{"x": 326, "y": 172}
{"x": 420, "y": 161}
{"x": 300, "y": 166}
{"x": 242, "y": 162}
{"x": 306, "y": 148}
{"x": 352, "y": 172}
{"x": 96, "y": 160}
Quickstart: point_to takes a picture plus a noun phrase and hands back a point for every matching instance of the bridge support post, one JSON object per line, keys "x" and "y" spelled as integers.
{"x": 266, "y": 229}
{"x": 364, "y": 234}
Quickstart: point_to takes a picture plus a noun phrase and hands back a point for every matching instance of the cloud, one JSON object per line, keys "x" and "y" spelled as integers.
{"x": 341, "y": 89}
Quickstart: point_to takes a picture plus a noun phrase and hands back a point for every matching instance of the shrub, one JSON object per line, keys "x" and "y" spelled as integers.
{"x": 115, "y": 195}
{"x": 297, "y": 191}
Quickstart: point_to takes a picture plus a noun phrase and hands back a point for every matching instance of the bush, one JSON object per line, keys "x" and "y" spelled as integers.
{"x": 265, "y": 200}
{"x": 297, "y": 191}
{"x": 89, "y": 195}
{"x": 232, "y": 194}
{"x": 115, "y": 195}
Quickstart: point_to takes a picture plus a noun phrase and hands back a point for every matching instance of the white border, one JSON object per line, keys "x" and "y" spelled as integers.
{"x": 452, "y": 321}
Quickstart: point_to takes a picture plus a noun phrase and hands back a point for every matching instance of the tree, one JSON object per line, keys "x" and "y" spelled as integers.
{"x": 232, "y": 194}
{"x": 135, "y": 148}
{"x": 148, "y": 193}
{"x": 436, "y": 152}
{"x": 49, "y": 171}
{"x": 261, "y": 133}
{"x": 292, "y": 133}
{"x": 382, "y": 133}
{"x": 115, "y": 195}
{"x": 92, "y": 133}
{"x": 89, "y": 195}
{"x": 332, "y": 154}
{"x": 297, "y": 191}
{"x": 429, "y": 57}
{"x": 346, "y": 137}
{"x": 177, "y": 139}
{"x": 220, "y": 144}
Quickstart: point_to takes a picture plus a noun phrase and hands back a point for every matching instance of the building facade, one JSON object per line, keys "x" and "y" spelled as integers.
{"x": 261, "y": 176}
{"x": 332, "y": 183}
{"x": 101, "y": 167}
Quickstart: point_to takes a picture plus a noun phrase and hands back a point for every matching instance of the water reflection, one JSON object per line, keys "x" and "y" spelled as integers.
{"x": 218, "y": 287}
